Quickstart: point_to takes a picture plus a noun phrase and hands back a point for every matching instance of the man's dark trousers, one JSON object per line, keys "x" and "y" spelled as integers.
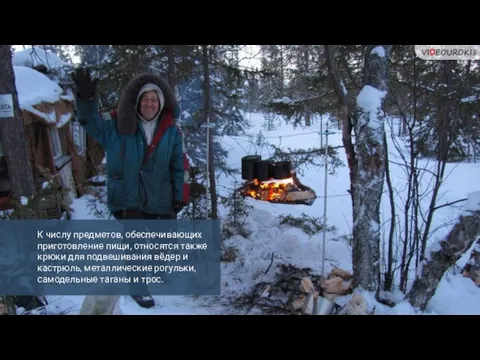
{"x": 139, "y": 288}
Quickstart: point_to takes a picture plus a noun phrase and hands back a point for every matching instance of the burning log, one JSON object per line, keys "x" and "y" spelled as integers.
{"x": 273, "y": 182}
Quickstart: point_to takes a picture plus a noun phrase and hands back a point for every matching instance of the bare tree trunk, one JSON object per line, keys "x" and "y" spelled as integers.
{"x": 407, "y": 251}
{"x": 445, "y": 129}
{"x": 172, "y": 79}
{"x": 446, "y": 253}
{"x": 282, "y": 72}
{"x": 389, "y": 273}
{"x": 172, "y": 74}
{"x": 306, "y": 63}
{"x": 370, "y": 151}
{"x": 209, "y": 115}
{"x": 12, "y": 134}
{"x": 346, "y": 120}
{"x": 412, "y": 181}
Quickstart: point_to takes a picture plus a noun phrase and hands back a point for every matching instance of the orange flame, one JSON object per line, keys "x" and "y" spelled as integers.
{"x": 270, "y": 189}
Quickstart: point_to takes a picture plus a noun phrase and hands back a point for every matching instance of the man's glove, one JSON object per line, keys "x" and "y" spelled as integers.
{"x": 85, "y": 87}
{"x": 178, "y": 206}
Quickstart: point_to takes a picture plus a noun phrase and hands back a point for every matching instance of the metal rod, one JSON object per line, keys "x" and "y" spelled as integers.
{"x": 325, "y": 205}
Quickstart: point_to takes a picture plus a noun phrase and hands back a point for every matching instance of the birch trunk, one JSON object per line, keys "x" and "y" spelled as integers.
{"x": 370, "y": 154}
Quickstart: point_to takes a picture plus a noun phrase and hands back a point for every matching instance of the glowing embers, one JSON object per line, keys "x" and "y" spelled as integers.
{"x": 276, "y": 182}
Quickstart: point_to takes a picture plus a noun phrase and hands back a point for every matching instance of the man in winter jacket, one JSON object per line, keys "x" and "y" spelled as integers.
{"x": 147, "y": 167}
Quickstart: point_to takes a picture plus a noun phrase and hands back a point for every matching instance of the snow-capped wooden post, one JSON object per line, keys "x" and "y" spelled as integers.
{"x": 444, "y": 253}
{"x": 370, "y": 172}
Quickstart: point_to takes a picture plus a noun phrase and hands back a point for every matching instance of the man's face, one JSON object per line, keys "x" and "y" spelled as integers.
{"x": 149, "y": 105}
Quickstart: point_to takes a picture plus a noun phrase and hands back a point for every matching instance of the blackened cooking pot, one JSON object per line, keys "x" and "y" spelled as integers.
{"x": 264, "y": 170}
{"x": 248, "y": 166}
{"x": 281, "y": 170}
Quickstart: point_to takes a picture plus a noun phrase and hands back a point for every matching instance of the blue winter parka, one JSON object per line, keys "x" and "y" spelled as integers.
{"x": 151, "y": 184}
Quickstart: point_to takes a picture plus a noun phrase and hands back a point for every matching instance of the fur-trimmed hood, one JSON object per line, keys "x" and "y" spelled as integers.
{"x": 127, "y": 113}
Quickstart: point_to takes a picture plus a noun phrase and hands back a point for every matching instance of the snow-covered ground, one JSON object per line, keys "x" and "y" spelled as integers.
{"x": 455, "y": 294}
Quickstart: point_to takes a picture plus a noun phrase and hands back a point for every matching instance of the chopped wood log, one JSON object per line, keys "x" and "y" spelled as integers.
{"x": 344, "y": 274}
{"x": 337, "y": 286}
{"x": 445, "y": 253}
{"x": 306, "y": 285}
{"x": 299, "y": 196}
{"x": 330, "y": 296}
{"x": 357, "y": 305}
{"x": 309, "y": 306}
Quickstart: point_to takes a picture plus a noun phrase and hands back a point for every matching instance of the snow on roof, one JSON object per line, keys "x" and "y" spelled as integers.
{"x": 35, "y": 55}
{"x": 34, "y": 88}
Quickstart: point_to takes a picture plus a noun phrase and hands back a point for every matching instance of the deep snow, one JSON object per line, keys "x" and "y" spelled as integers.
{"x": 455, "y": 294}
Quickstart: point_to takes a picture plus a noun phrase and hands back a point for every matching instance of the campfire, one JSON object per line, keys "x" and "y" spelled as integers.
{"x": 274, "y": 182}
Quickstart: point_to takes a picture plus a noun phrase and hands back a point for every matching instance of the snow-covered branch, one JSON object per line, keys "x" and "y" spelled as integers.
{"x": 445, "y": 253}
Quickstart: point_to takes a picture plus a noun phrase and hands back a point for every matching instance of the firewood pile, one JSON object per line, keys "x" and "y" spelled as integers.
{"x": 294, "y": 292}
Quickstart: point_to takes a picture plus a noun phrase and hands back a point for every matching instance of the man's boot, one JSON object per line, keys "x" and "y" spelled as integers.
{"x": 145, "y": 301}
